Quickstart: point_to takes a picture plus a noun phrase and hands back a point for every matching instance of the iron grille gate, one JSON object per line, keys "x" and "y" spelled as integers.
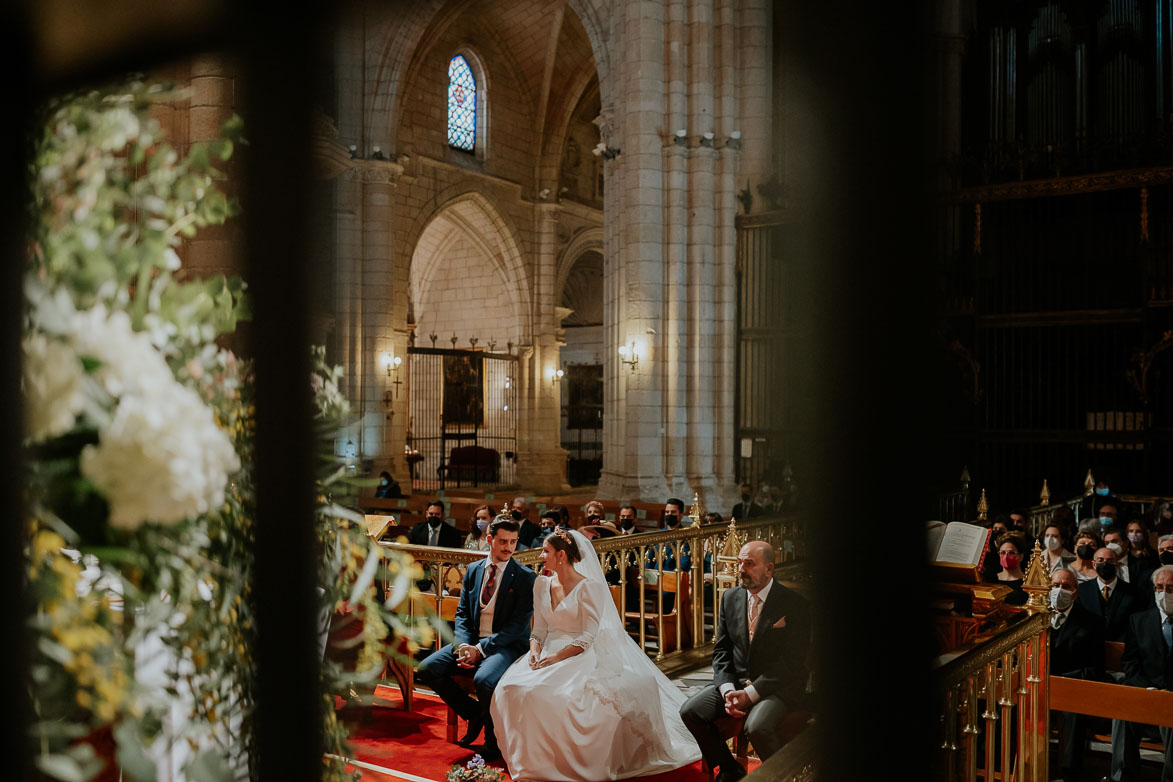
{"x": 463, "y": 421}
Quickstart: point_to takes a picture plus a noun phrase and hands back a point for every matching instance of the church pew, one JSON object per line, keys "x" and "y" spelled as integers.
{"x": 673, "y": 583}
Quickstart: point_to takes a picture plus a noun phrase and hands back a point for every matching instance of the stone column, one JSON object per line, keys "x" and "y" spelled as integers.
{"x": 636, "y": 467}
{"x": 541, "y": 458}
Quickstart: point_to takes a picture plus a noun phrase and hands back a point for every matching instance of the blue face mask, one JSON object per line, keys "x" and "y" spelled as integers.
{"x": 1105, "y": 521}
{"x": 1102, "y": 492}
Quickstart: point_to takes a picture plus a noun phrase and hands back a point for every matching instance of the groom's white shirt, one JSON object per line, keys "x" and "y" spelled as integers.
{"x": 486, "y": 626}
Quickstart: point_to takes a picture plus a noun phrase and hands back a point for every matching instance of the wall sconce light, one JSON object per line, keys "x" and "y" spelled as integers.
{"x": 377, "y": 153}
{"x": 391, "y": 364}
{"x": 350, "y": 451}
{"x": 707, "y": 139}
{"x": 353, "y": 151}
{"x": 734, "y": 140}
{"x": 629, "y": 354}
{"x": 681, "y": 138}
{"x": 555, "y": 375}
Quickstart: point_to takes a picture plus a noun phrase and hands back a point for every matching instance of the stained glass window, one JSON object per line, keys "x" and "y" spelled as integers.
{"x": 462, "y": 104}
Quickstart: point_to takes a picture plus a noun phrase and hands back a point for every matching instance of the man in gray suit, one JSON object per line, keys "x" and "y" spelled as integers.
{"x": 759, "y": 664}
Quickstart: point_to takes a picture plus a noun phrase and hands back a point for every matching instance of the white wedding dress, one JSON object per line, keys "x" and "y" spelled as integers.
{"x": 607, "y": 713}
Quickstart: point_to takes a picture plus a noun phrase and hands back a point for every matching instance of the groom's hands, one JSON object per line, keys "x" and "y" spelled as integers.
{"x": 468, "y": 656}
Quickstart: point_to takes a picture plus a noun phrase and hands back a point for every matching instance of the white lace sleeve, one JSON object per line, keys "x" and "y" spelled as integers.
{"x": 591, "y": 611}
{"x": 541, "y": 587}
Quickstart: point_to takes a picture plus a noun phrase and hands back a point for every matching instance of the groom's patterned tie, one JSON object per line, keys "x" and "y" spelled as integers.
{"x": 487, "y": 592}
{"x": 755, "y": 609}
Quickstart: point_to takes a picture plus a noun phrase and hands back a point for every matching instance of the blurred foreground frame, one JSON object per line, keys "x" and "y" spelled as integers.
{"x": 53, "y": 46}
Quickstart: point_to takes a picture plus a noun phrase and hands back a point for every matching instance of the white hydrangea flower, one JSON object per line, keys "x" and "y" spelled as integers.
{"x": 54, "y": 381}
{"x": 162, "y": 458}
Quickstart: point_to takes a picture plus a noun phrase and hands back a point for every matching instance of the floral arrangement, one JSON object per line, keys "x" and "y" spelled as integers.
{"x": 474, "y": 771}
{"x": 139, "y": 433}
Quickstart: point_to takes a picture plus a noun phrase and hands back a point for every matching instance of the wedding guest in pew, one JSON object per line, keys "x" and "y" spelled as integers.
{"x": 1086, "y": 546}
{"x": 1146, "y": 664}
{"x": 478, "y": 539}
{"x": 548, "y": 522}
{"x": 432, "y": 531}
{"x": 1011, "y": 556}
{"x": 1139, "y": 550}
{"x": 1064, "y": 519}
{"x": 1164, "y": 557}
{"x": 1055, "y": 553}
{"x": 990, "y": 565}
{"x": 1102, "y": 494}
{"x": 1108, "y": 596}
{"x": 1020, "y": 520}
{"x": 627, "y": 520}
{"x": 519, "y": 510}
{"x": 1077, "y": 652}
{"x": 1126, "y": 566}
{"x": 747, "y": 508}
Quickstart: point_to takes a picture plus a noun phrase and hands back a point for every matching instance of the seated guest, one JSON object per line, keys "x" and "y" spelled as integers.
{"x": 747, "y": 508}
{"x": 594, "y": 508}
{"x": 519, "y": 510}
{"x": 673, "y": 513}
{"x": 1125, "y": 566}
{"x": 990, "y": 565}
{"x": 1020, "y": 520}
{"x": 759, "y": 663}
{"x": 564, "y": 512}
{"x": 1077, "y": 652}
{"x": 1055, "y": 554}
{"x": 1139, "y": 550}
{"x": 1108, "y": 597}
{"x": 478, "y": 539}
{"x": 1164, "y": 557}
{"x": 432, "y": 531}
{"x": 1102, "y": 494}
{"x": 713, "y": 517}
{"x": 548, "y": 522}
{"x": 1146, "y": 664}
{"x": 627, "y": 519}
{"x": 1011, "y": 555}
{"x": 388, "y": 487}
{"x": 1064, "y": 519}
{"x": 1086, "y": 546}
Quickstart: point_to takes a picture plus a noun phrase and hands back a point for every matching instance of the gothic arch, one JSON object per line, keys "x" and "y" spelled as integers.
{"x": 472, "y": 217}
{"x": 586, "y": 240}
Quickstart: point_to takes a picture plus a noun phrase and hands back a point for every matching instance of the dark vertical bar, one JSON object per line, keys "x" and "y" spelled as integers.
{"x": 16, "y": 57}
{"x": 864, "y": 184}
{"x": 278, "y": 53}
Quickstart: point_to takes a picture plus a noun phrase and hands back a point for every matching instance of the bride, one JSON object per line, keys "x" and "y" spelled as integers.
{"x": 586, "y": 703}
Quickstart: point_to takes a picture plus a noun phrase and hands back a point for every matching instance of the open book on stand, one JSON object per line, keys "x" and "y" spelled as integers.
{"x": 957, "y": 550}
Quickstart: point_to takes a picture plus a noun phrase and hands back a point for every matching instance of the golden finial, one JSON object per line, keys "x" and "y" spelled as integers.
{"x": 1045, "y": 496}
{"x": 697, "y": 511}
{"x": 983, "y": 506}
{"x": 1089, "y": 483}
{"x": 1036, "y": 583}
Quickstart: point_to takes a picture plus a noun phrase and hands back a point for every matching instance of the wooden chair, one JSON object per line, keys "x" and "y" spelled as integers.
{"x": 453, "y": 721}
{"x": 674, "y": 583}
{"x": 793, "y": 723}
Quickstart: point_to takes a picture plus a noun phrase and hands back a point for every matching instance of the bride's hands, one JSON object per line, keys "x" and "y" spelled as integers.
{"x": 535, "y": 659}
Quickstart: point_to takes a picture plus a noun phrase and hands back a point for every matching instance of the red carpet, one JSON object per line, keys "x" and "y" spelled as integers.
{"x": 386, "y": 736}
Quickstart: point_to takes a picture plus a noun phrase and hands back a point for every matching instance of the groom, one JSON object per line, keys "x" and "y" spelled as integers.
{"x": 759, "y": 663}
{"x": 492, "y": 630}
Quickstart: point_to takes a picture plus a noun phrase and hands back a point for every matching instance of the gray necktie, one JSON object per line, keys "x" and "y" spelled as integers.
{"x": 1057, "y": 620}
{"x": 432, "y": 535}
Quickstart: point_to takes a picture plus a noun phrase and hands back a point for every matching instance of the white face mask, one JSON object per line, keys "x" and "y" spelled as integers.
{"x": 1051, "y": 542}
{"x": 482, "y": 524}
{"x": 1117, "y": 548}
{"x": 1165, "y": 602}
{"x": 1061, "y": 599}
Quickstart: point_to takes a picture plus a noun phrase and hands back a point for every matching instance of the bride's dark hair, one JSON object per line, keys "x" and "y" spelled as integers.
{"x": 561, "y": 541}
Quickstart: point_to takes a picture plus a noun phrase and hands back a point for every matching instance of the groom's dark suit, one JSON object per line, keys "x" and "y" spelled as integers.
{"x": 775, "y": 664}
{"x": 509, "y": 640}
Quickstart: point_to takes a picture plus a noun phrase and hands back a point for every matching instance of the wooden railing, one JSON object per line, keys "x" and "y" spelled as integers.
{"x": 994, "y": 707}
{"x": 667, "y": 585}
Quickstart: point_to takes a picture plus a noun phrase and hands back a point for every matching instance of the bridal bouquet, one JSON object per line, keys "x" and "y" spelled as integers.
{"x": 474, "y": 771}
